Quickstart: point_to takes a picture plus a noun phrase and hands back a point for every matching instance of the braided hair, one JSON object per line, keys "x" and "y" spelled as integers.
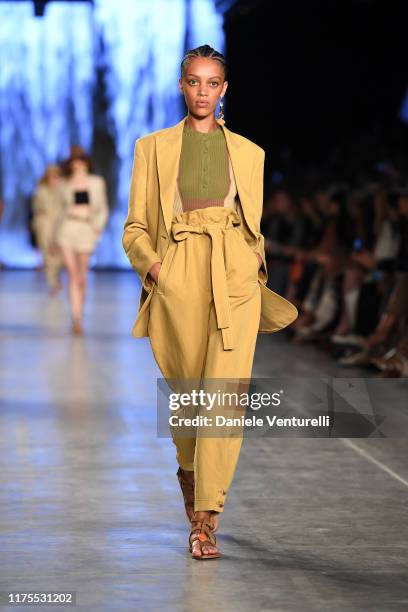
{"x": 203, "y": 51}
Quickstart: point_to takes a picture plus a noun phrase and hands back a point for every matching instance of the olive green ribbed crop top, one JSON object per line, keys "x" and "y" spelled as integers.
{"x": 205, "y": 176}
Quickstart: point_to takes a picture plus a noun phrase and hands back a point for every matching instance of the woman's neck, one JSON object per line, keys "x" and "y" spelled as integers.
{"x": 79, "y": 178}
{"x": 207, "y": 125}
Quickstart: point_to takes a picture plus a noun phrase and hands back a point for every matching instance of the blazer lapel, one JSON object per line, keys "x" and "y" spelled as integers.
{"x": 168, "y": 151}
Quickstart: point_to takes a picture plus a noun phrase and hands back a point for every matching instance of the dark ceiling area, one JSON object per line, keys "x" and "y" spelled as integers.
{"x": 310, "y": 76}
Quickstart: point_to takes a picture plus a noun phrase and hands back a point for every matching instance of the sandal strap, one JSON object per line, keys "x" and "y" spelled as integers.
{"x": 187, "y": 487}
{"x": 188, "y": 491}
{"x": 203, "y": 527}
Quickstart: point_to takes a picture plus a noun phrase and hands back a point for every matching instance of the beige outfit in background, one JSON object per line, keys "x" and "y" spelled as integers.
{"x": 48, "y": 203}
{"x": 76, "y": 230}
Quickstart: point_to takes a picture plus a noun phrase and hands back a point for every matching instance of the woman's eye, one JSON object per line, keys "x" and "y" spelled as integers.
{"x": 214, "y": 83}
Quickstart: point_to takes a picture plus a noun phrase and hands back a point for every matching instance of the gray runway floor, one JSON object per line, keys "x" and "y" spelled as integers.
{"x": 90, "y": 501}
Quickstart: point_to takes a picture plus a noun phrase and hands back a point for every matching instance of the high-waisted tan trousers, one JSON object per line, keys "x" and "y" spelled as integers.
{"x": 204, "y": 320}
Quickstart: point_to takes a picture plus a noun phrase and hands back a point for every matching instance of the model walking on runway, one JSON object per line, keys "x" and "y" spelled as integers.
{"x": 81, "y": 223}
{"x": 193, "y": 235}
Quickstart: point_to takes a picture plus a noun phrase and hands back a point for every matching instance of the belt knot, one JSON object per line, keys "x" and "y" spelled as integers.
{"x": 222, "y": 305}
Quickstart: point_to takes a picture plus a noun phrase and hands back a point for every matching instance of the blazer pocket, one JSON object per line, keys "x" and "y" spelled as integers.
{"x": 164, "y": 269}
{"x": 251, "y": 252}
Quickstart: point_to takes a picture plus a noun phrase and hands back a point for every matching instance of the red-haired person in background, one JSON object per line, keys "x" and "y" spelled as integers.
{"x": 80, "y": 226}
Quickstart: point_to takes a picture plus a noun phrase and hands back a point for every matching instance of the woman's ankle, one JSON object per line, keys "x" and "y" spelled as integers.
{"x": 202, "y": 514}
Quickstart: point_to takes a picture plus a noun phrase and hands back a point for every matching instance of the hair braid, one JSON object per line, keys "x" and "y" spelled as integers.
{"x": 203, "y": 51}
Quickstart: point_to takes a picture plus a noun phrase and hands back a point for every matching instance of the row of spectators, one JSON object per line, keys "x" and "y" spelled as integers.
{"x": 340, "y": 253}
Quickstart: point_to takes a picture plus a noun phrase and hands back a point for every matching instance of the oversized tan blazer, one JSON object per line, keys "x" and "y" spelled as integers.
{"x": 146, "y": 235}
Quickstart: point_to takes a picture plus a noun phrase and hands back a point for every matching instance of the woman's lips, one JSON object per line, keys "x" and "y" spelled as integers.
{"x": 202, "y": 103}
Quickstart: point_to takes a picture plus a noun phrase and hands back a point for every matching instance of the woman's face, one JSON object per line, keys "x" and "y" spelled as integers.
{"x": 78, "y": 165}
{"x": 307, "y": 206}
{"x": 282, "y": 203}
{"x": 54, "y": 179}
{"x": 203, "y": 81}
{"x": 333, "y": 208}
{"x": 403, "y": 205}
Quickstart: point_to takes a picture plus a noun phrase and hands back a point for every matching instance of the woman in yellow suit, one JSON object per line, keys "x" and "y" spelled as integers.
{"x": 192, "y": 233}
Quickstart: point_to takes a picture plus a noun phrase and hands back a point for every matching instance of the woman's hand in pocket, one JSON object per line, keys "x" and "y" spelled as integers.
{"x": 260, "y": 260}
{"x": 155, "y": 270}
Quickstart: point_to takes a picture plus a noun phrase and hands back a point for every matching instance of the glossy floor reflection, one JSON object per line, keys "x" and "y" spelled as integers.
{"x": 89, "y": 496}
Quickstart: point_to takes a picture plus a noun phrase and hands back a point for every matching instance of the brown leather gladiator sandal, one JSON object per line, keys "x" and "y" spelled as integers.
{"x": 187, "y": 489}
{"x": 202, "y": 532}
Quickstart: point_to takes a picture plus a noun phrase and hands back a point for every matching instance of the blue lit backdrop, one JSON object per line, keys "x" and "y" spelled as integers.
{"x": 98, "y": 76}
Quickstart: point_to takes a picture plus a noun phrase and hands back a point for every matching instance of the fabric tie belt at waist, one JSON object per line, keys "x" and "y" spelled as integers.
{"x": 222, "y": 305}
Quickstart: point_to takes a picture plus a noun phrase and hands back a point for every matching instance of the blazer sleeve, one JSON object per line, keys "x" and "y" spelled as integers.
{"x": 136, "y": 240}
{"x": 257, "y": 191}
